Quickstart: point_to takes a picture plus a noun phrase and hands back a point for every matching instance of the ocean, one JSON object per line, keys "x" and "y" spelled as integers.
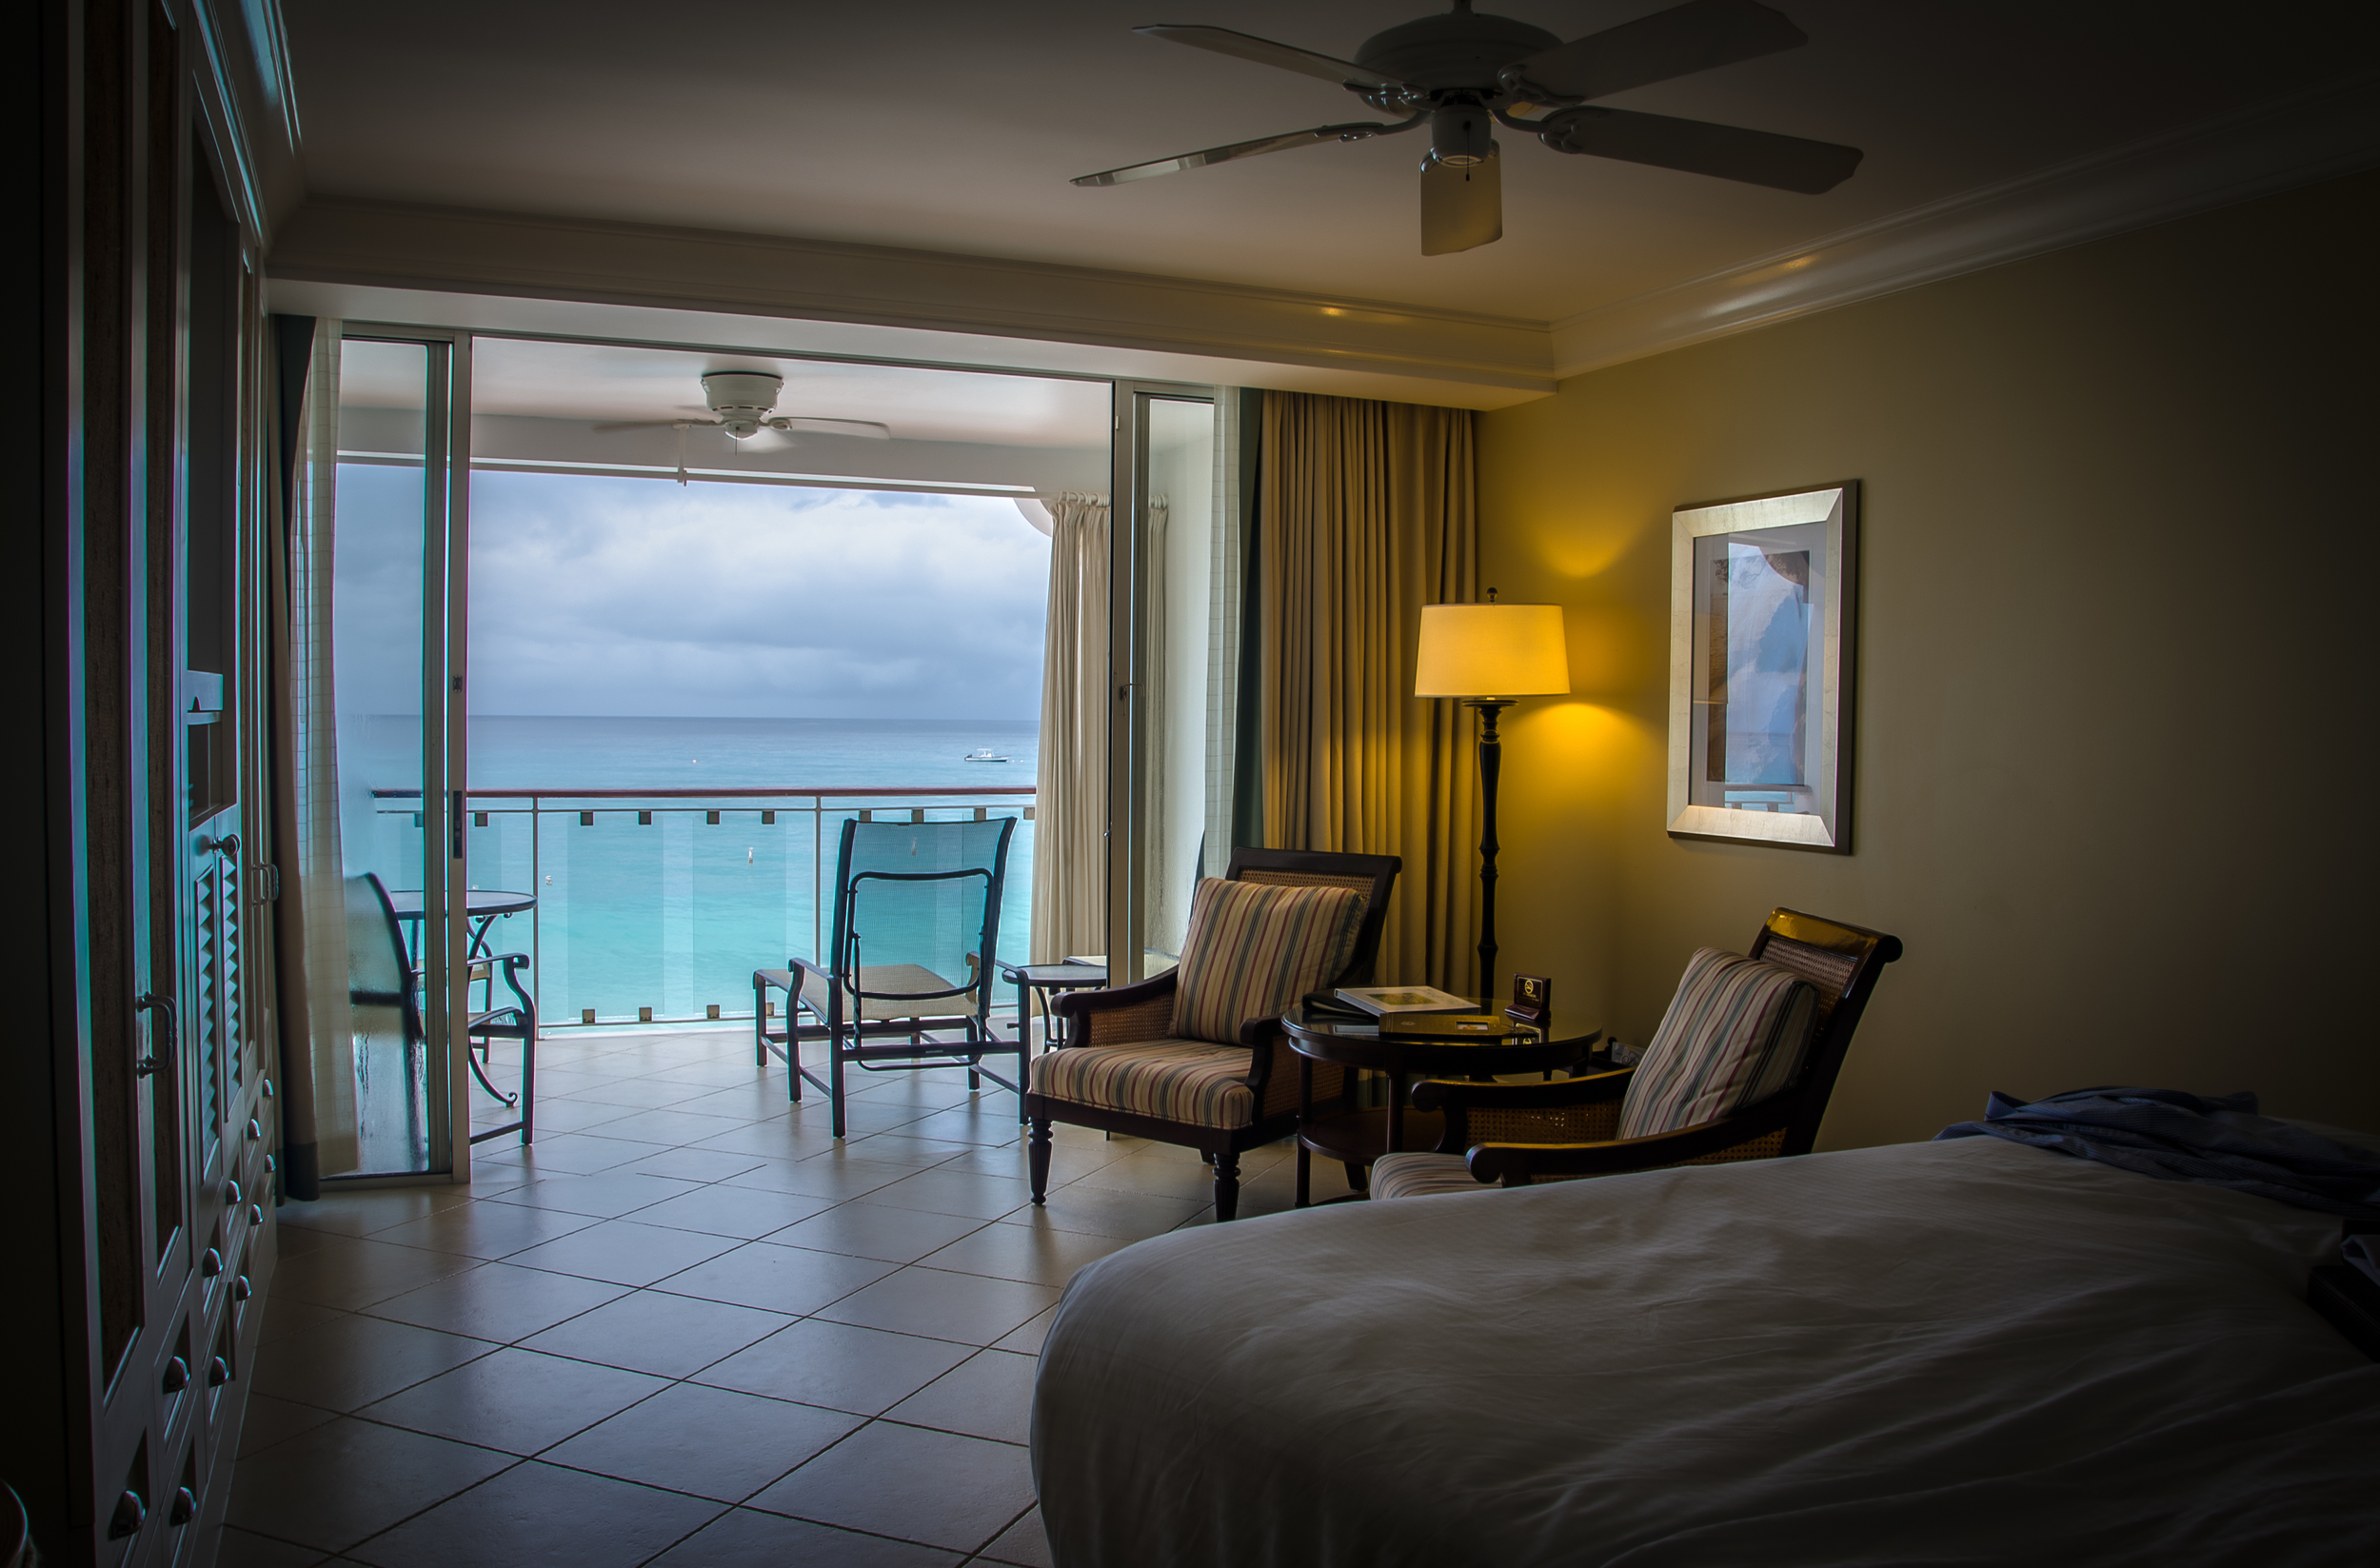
{"x": 648, "y": 903}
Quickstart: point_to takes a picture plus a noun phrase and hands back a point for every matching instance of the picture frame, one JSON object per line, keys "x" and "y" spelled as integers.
{"x": 1763, "y": 625}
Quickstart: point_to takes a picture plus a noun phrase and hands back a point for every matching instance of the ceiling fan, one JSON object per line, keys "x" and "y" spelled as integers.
{"x": 1463, "y": 73}
{"x": 743, "y": 404}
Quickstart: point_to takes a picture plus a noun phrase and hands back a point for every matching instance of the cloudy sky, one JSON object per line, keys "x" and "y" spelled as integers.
{"x": 635, "y": 596}
{"x": 643, "y": 597}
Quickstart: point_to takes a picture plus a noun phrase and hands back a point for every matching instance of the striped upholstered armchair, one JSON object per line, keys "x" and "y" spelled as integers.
{"x": 1195, "y": 1056}
{"x": 1741, "y": 1068}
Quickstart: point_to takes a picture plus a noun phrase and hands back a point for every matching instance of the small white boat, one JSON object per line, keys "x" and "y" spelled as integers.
{"x": 986, "y": 755}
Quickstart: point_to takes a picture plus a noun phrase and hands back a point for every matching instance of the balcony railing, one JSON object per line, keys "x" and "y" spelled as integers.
{"x": 655, "y": 906}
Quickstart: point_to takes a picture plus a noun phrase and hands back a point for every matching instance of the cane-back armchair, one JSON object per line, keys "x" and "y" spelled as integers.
{"x": 1197, "y": 1056}
{"x": 1741, "y": 1068}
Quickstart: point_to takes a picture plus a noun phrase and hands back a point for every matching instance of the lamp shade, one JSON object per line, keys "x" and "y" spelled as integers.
{"x": 1491, "y": 650}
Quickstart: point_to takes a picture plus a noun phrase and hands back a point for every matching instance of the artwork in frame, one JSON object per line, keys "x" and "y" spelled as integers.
{"x": 1762, "y": 617}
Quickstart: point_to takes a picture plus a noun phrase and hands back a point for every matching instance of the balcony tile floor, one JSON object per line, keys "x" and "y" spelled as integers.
{"x": 689, "y": 1328}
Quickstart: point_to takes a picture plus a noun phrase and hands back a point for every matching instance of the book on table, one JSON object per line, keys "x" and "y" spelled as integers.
{"x": 1395, "y": 1001}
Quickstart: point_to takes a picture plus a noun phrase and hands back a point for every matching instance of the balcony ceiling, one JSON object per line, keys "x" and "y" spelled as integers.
{"x": 955, "y": 127}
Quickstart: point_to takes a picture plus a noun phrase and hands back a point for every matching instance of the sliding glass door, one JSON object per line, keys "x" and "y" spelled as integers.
{"x": 1175, "y": 646}
{"x": 396, "y": 591}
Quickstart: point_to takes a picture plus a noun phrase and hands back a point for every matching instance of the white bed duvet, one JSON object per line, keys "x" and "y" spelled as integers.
{"x": 1970, "y": 1351}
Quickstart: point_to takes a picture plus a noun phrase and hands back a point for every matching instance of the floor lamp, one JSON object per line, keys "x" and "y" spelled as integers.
{"x": 1490, "y": 655}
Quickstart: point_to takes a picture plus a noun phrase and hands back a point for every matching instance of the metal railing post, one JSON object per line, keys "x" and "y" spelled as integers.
{"x": 537, "y": 914}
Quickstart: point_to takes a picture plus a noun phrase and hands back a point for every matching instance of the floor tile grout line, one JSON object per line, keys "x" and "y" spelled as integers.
{"x": 975, "y": 1155}
{"x": 907, "y": 1540}
{"x": 997, "y": 1534}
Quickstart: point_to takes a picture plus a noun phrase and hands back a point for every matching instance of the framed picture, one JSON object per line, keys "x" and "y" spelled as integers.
{"x": 1762, "y": 598}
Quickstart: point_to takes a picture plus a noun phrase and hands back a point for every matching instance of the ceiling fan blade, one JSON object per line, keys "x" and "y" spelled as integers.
{"x": 1730, "y": 153}
{"x": 651, "y": 425}
{"x": 1264, "y": 52}
{"x": 867, "y": 430}
{"x": 1695, "y": 37}
{"x": 1462, "y": 208}
{"x": 1359, "y": 131}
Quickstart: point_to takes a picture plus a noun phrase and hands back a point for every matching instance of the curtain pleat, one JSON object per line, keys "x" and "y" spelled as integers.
{"x": 317, "y": 1045}
{"x": 1070, "y": 807}
{"x": 1369, "y": 513}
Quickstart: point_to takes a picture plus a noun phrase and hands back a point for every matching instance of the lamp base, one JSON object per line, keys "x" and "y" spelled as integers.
{"x": 1491, "y": 769}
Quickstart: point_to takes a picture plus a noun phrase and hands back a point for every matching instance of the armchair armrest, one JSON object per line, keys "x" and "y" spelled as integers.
{"x": 1120, "y": 1015}
{"x": 1434, "y": 1093}
{"x": 513, "y": 963}
{"x": 1564, "y": 1111}
{"x": 1518, "y": 1164}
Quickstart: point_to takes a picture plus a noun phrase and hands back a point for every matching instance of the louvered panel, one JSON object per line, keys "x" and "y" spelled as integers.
{"x": 233, "y": 930}
{"x": 206, "y": 1009}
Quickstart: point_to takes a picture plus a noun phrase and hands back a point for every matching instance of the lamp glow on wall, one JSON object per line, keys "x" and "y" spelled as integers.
{"x": 1489, "y": 656}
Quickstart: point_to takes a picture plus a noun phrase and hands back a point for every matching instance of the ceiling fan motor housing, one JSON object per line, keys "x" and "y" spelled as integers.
{"x": 741, "y": 398}
{"x": 1455, "y": 52}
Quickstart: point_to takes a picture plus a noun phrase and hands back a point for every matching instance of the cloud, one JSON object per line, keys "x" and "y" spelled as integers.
{"x": 624, "y": 596}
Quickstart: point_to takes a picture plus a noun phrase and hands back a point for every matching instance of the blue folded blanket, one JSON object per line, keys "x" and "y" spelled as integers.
{"x": 2177, "y": 1136}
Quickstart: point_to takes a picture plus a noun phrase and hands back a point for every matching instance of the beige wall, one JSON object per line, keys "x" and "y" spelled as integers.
{"x": 2116, "y": 677}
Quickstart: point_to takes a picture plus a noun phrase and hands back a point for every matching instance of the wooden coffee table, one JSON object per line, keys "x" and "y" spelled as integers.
{"x": 1355, "y": 1138}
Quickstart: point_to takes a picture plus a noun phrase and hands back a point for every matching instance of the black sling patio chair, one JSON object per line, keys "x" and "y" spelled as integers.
{"x": 907, "y": 977}
{"x": 382, "y": 975}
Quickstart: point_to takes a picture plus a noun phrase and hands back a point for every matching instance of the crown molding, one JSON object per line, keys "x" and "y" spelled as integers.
{"x": 2258, "y": 151}
{"x": 458, "y": 252}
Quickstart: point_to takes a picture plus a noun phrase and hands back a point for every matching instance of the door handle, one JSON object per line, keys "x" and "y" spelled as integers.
{"x": 149, "y": 1002}
{"x": 227, "y": 847}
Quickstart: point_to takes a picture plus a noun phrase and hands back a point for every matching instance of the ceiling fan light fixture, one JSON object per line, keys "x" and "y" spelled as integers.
{"x": 1461, "y": 135}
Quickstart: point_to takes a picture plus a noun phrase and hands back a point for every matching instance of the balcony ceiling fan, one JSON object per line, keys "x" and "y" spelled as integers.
{"x": 743, "y": 404}
{"x": 1463, "y": 73}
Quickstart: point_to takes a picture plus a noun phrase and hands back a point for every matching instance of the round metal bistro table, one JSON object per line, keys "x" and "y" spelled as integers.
{"x": 485, "y": 904}
{"x": 1417, "y": 1047}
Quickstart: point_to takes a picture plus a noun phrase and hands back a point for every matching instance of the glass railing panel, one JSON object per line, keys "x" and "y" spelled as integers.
{"x": 657, "y": 908}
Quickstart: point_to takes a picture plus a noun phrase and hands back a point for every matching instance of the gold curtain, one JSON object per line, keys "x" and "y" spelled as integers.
{"x": 1366, "y": 512}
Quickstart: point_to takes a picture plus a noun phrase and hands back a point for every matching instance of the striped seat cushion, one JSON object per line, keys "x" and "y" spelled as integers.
{"x": 1253, "y": 949}
{"x": 1419, "y": 1175}
{"x": 1192, "y": 1081}
{"x": 1734, "y": 1034}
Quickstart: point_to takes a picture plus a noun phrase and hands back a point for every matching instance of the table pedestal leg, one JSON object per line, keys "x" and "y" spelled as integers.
{"x": 1305, "y": 1115}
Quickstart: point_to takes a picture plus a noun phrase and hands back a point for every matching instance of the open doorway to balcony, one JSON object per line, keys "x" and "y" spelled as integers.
{"x": 696, "y": 649}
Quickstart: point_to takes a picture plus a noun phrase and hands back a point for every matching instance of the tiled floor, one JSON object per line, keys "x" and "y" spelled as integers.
{"x": 689, "y": 1328}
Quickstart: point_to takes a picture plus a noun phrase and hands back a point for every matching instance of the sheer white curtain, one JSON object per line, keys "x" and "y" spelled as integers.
{"x": 1070, "y": 812}
{"x": 322, "y": 1109}
{"x": 1226, "y": 603}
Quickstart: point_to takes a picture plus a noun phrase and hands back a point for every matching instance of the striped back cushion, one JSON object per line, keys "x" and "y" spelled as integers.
{"x": 1252, "y": 950}
{"x": 1733, "y": 1035}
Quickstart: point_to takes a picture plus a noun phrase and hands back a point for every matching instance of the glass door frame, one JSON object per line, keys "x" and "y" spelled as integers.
{"x": 1129, "y": 612}
{"x": 445, "y": 874}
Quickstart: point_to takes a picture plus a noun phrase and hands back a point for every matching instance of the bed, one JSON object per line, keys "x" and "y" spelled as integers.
{"x": 1963, "y": 1352}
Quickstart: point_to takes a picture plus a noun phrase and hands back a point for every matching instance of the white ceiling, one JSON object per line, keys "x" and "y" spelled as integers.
{"x": 555, "y": 402}
{"x": 599, "y": 382}
{"x": 955, "y": 127}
